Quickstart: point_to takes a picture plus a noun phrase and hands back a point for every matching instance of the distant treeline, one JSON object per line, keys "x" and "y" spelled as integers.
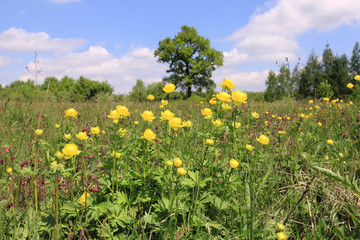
{"x": 322, "y": 76}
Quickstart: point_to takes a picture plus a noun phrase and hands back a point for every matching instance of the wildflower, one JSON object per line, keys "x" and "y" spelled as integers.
{"x": 234, "y": 163}
{"x": 281, "y": 236}
{"x": 238, "y": 97}
{"x": 341, "y": 155}
{"x": 357, "y": 77}
{"x": 82, "y": 136}
{"x": 175, "y": 123}
{"x": 227, "y": 84}
{"x": 236, "y": 124}
{"x": 57, "y": 125}
{"x": 302, "y": 115}
{"x": 311, "y": 101}
{"x": 177, "y": 162}
{"x": 71, "y": 113}
{"x": 136, "y": 122}
{"x": 148, "y": 116}
{"x": 319, "y": 124}
{"x": 95, "y": 130}
{"x": 59, "y": 155}
{"x": 122, "y": 132}
{"x": 209, "y": 141}
{"x": 218, "y": 123}
{"x": 113, "y": 115}
{"x": 70, "y": 150}
{"x": 254, "y": 114}
{"x": 282, "y": 132}
{"x": 83, "y": 197}
{"x": 249, "y": 147}
{"x": 169, "y": 163}
{"x": 207, "y": 113}
{"x": 168, "y": 88}
{"x": 350, "y": 85}
{"x": 326, "y": 158}
{"x": 223, "y": 96}
{"x": 67, "y": 136}
{"x": 226, "y": 106}
{"x": 122, "y": 111}
{"x": 325, "y": 99}
{"x": 279, "y": 118}
{"x": 186, "y": 124}
{"x": 350, "y": 102}
{"x": 150, "y": 97}
{"x": 9, "y": 170}
{"x": 116, "y": 154}
{"x": 263, "y": 139}
{"x": 317, "y": 107}
{"x": 212, "y": 101}
{"x": 181, "y": 171}
{"x": 330, "y": 142}
{"x": 167, "y": 115}
{"x": 53, "y": 164}
{"x": 149, "y": 135}
{"x": 38, "y": 132}
{"x": 164, "y": 102}
{"x": 280, "y": 226}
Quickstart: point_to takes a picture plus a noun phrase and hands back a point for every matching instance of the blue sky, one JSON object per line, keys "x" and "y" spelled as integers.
{"x": 114, "y": 40}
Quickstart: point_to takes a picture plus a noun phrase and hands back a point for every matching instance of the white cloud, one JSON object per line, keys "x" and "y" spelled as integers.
{"x": 17, "y": 40}
{"x": 5, "y": 61}
{"x": 98, "y": 64}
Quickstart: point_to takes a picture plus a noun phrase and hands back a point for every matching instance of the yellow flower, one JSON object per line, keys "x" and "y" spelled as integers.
{"x": 317, "y": 107}
{"x": 255, "y": 114}
{"x": 234, "y": 163}
{"x": 82, "y": 199}
{"x": 9, "y": 170}
{"x": 357, "y": 77}
{"x": 38, "y": 132}
{"x": 122, "y": 132}
{"x": 326, "y": 158}
{"x": 67, "y": 136}
{"x": 57, "y": 125}
{"x": 70, "y": 150}
{"x": 279, "y": 118}
{"x": 227, "y": 84}
{"x": 168, "y": 88}
{"x": 167, "y": 115}
{"x": 113, "y": 115}
{"x": 169, "y": 163}
{"x": 149, "y": 135}
{"x": 236, "y": 124}
{"x": 71, "y": 113}
{"x": 226, "y": 106}
{"x": 186, "y": 124}
{"x": 115, "y": 120}
{"x": 273, "y": 116}
{"x": 319, "y": 124}
{"x": 136, "y": 122}
{"x": 325, "y": 99}
{"x": 122, "y": 111}
{"x": 218, "y": 123}
{"x": 177, "y": 162}
{"x": 206, "y": 112}
{"x": 82, "y": 136}
{"x": 212, "y": 101}
{"x": 175, "y": 123}
{"x": 95, "y": 130}
{"x": 281, "y": 236}
{"x": 263, "y": 139}
{"x": 350, "y": 102}
{"x": 53, "y": 164}
{"x": 280, "y": 226}
{"x": 311, "y": 101}
{"x": 249, "y": 147}
{"x": 59, "y": 155}
{"x": 282, "y": 132}
{"x": 164, "y": 102}
{"x": 302, "y": 115}
{"x": 181, "y": 171}
{"x": 341, "y": 155}
{"x": 223, "y": 96}
{"x": 148, "y": 116}
{"x": 210, "y": 141}
{"x": 238, "y": 97}
{"x": 150, "y": 97}
{"x": 330, "y": 142}
{"x": 350, "y": 85}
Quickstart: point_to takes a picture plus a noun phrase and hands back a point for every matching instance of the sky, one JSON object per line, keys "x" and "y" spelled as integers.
{"x": 115, "y": 40}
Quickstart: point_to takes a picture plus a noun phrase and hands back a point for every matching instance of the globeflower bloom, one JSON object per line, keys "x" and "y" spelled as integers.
{"x": 150, "y": 97}
{"x": 234, "y": 163}
{"x": 330, "y": 142}
{"x": 67, "y": 136}
{"x": 223, "y": 96}
{"x": 212, "y": 101}
{"x": 181, "y": 171}
{"x": 83, "y": 198}
{"x": 206, "y": 112}
{"x": 175, "y": 123}
{"x": 218, "y": 123}
{"x": 149, "y": 135}
{"x": 238, "y": 97}
{"x": 38, "y": 132}
{"x": 236, "y": 124}
{"x": 57, "y": 125}
{"x": 311, "y": 101}
{"x": 177, "y": 162}
{"x": 350, "y": 85}
{"x": 164, "y": 102}
{"x": 53, "y": 164}
{"x": 113, "y": 114}
{"x": 254, "y": 114}
{"x": 325, "y": 99}
{"x": 82, "y": 136}
{"x": 95, "y": 130}
{"x": 122, "y": 111}
{"x": 167, "y": 115}
{"x": 122, "y": 132}
{"x": 59, "y": 155}
{"x": 168, "y": 88}
{"x": 357, "y": 77}
{"x": 209, "y": 141}
{"x": 263, "y": 139}
{"x": 70, "y": 150}
{"x": 148, "y": 116}
{"x": 71, "y": 113}
{"x": 227, "y": 84}
{"x": 249, "y": 147}
{"x": 9, "y": 170}
{"x": 186, "y": 124}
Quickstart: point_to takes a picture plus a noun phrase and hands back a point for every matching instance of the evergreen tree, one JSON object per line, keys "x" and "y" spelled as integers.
{"x": 355, "y": 60}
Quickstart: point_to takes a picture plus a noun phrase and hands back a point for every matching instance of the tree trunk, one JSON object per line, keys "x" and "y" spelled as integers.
{"x": 188, "y": 91}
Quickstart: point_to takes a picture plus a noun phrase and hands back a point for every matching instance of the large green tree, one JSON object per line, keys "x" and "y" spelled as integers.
{"x": 191, "y": 60}
{"x": 355, "y": 60}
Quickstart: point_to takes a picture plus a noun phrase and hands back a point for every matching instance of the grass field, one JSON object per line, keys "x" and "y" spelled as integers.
{"x": 245, "y": 171}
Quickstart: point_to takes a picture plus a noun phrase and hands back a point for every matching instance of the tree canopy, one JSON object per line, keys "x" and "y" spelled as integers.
{"x": 191, "y": 60}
